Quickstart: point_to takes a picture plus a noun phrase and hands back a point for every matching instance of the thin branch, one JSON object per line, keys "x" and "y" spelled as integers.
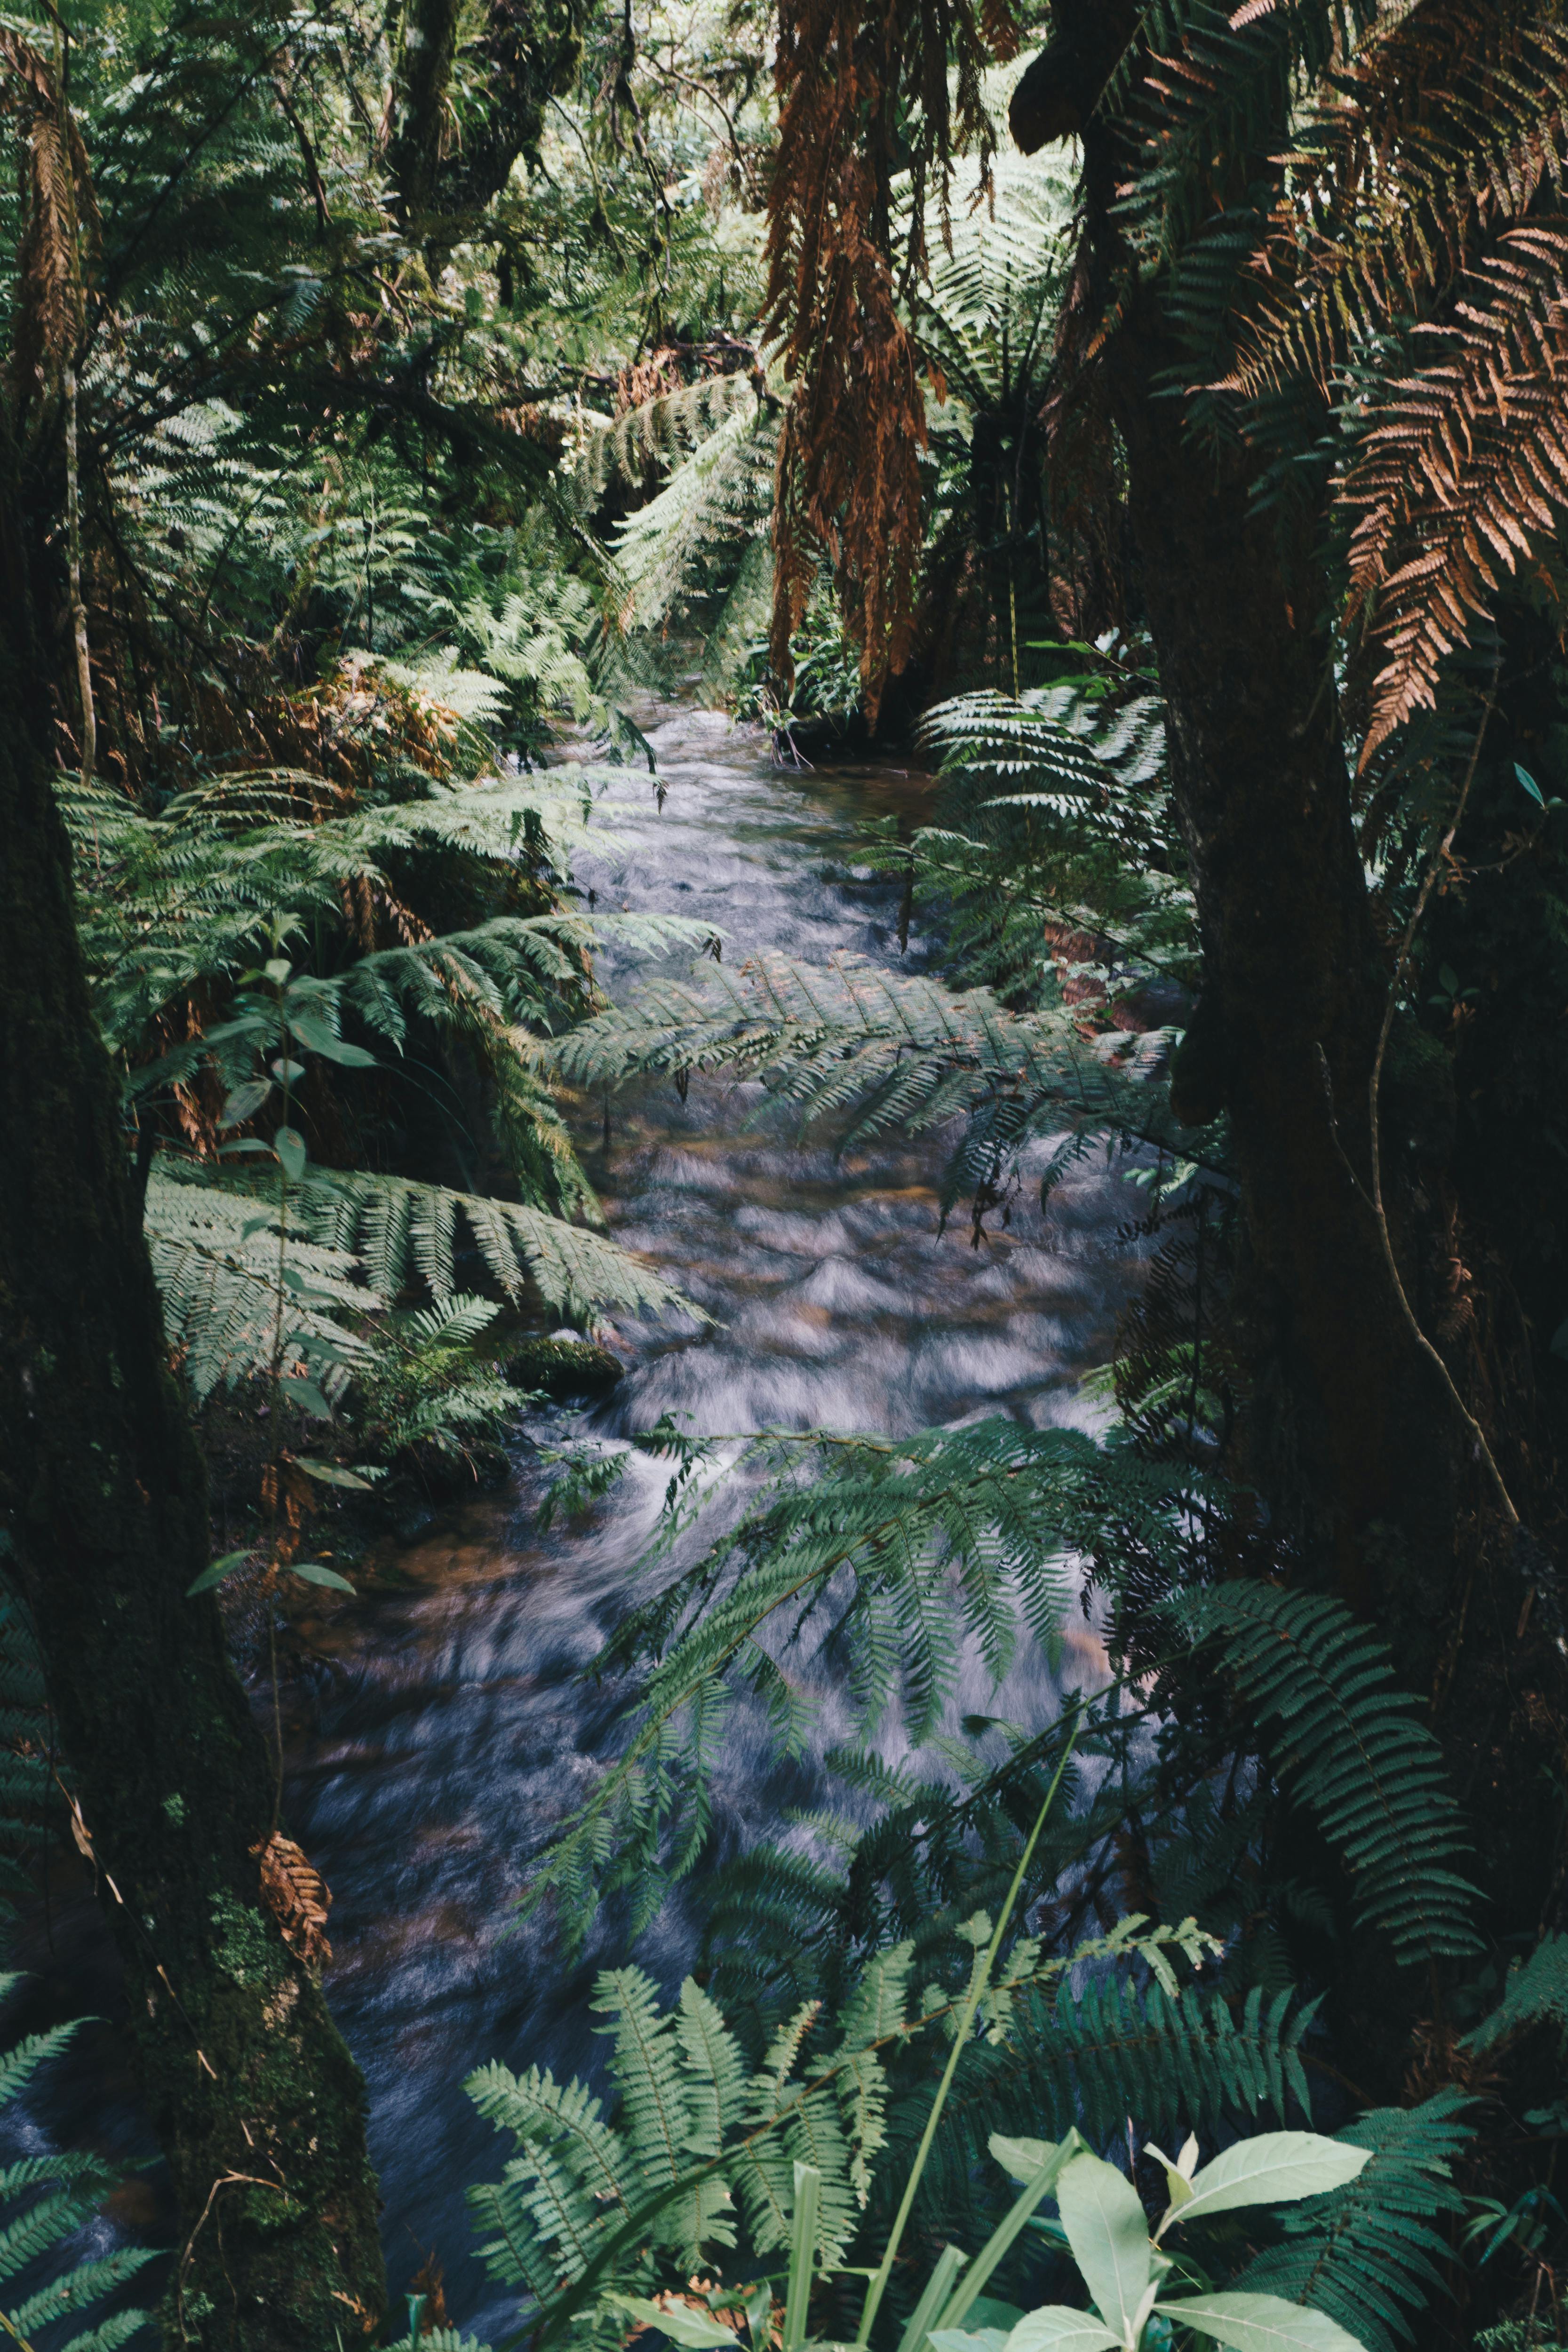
{"x": 1375, "y": 1199}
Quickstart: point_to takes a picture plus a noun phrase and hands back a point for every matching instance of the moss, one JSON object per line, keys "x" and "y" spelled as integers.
{"x": 244, "y": 1952}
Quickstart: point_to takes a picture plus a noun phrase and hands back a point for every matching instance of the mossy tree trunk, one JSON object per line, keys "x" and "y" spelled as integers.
{"x": 255, "y": 2098}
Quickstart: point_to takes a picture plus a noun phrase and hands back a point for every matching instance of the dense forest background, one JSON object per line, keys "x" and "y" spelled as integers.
{"x": 1151, "y": 411}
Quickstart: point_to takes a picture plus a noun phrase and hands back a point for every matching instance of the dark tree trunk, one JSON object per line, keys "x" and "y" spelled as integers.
{"x": 254, "y": 2096}
{"x": 1350, "y": 1432}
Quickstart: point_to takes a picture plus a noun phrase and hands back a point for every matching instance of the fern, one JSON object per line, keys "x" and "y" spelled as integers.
{"x": 1370, "y": 2254}
{"x": 948, "y": 1535}
{"x": 1350, "y": 1750}
{"x": 216, "y": 1255}
{"x": 1445, "y": 114}
{"x": 46, "y": 2201}
{"x": 580, "y": 2192}
{"x": 403, "y": 1228}
{"x": 1535, "y": 1994}
{"x": 895, "y": 1054}
{"x": 1464, "y": 473}
{"x": 702, "y": 2154}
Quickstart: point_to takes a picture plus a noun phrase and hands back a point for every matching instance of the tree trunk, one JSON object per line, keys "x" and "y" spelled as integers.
{"x": 423, "y": 73}
{"x": 1350, "y": 1432}
{"x": 252, "y": 2092}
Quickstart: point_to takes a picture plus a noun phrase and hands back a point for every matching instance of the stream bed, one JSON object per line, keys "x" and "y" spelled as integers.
{"x": 445, "y": 1726}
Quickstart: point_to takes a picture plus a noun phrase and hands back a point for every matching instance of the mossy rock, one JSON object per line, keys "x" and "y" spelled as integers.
{"x": 563, "y": 1368}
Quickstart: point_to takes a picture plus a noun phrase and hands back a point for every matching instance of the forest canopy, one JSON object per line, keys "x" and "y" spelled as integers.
{"x": 1145, "y": 420}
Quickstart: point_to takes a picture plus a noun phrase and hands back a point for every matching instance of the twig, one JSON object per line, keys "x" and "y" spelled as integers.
{"x": 1375, "y": 1199}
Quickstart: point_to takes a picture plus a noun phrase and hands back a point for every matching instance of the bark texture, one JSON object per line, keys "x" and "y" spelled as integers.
{"x": 1350, "y": 1433}
{"x": 254, "y": 2095}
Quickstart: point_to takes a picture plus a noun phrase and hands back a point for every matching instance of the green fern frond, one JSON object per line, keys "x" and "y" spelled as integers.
{"x": 1371, "y": 2254}
{"x": 47, "y": 2200}
{"x": 950, "y": 1533}
{"x": 402, "y": 1227}
{"x": 1535, "y": 1994}
{"x": 1349, "y": 1747}
{"x": 216, "y": 1257}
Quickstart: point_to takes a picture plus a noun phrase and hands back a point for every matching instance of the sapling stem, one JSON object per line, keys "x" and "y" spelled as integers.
{"x": 878, "y": 2287}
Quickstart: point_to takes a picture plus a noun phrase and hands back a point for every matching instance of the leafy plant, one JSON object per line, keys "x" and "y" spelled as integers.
{"x": 1127, "y": 2268}
{"x": 47, "y": 2199}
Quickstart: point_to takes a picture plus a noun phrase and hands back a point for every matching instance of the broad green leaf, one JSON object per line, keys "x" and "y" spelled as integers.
{"x": 682, "y": 2326}
{"x": 966, "y": 2301}
{"x": 957, "y": 2339}
{"x": 1260, "y": 2323}
{"x": 314, "y": 1034}
{"x": 245, "y": 1102}
{"x": 289, "y": 1146}
{"x": 1103, "y": 2217}
{"x": 307, "y": 1396}
{"x": 331, "y": 1474}
{"x": 277, "y": 970}
{"x": 313, "y": 1572}
{"x": 286, "y": 1072}
{"x": 987, "y": 2313}
{"x": 1021, "y": 2158}
{"x": 1178, "y": 2171}
{"x": 1056, "y": 2328}
{"x": 218, "y": 1568}
{"x": 1271, "y": 2168}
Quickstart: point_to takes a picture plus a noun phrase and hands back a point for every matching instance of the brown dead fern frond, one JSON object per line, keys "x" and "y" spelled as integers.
{"x": 849, "y": 463}
{"x": 298, "y": 1897}
{"x": 1448, "y": 124}
{"x": 61, "y": 224}
{"x": 1465, "y": 476}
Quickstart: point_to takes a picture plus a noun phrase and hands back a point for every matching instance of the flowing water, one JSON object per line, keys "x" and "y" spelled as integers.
{"x": 446, "y": 1727}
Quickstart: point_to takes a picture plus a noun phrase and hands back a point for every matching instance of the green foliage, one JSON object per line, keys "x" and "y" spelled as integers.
{"x": 44, "y": 2202}
{"x": 427, "y": 1393}
{"x": 1350, "y": 1749}
{"x": 1534, "y": 1994}
{"x": 217, "y": 1256}
{"x": 949, "y": 1534}
{"x": 876, "y": 1051}
{"x": 1056, "y": 818}
{"x": 406, "y": 1229}
{"x": 703, "y": 2156}
{"x": 1373, "y": 2253}
{"x": 702, "y": 2145}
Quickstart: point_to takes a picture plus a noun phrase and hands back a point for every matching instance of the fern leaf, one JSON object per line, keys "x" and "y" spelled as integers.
{"x": 1350, "y": 1749}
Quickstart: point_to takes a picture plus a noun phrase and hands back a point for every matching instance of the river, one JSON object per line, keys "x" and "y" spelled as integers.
{"x": 445, "y": 1726}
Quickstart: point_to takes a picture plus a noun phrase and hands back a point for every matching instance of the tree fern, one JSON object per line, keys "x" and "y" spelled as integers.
{"x": 216, "y": 1255}
{"x": 948, "y": 1533}
{"x": 403, "y": 1228}
{"x": 878, "y": 1052}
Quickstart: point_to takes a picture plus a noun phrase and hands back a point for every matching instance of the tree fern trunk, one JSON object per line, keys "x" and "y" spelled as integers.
{"x": 255, "y": 2098}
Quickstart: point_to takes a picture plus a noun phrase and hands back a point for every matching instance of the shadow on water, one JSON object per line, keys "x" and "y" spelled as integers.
{"x": 447, "y": 1729}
